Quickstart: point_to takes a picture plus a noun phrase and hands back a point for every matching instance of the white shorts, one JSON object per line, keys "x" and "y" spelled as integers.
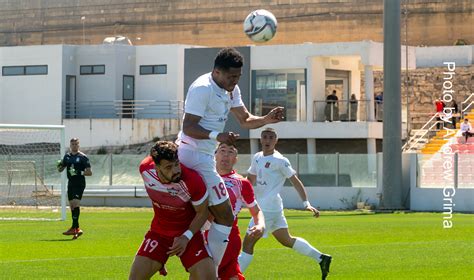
{"x": 273, "y": 221}
{"x": 205, "y": 165}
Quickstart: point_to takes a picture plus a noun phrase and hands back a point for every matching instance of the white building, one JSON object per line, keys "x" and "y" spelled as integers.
{"x": 93, "y": 90}
{"x": 120, "y": 94}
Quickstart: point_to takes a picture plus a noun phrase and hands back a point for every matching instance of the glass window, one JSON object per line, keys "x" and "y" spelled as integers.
{"x": 285, "y": 87}
{"x": 37, "y": 70}
{"x": 13, "y": 70}
{"x": 92, "y": 69}
{"x": 153, "y": 69}
{"x": 159, "y": 69}
{"x": 86, "y": 70}
{"x": 25, "y": 70}
{"x": 146, "y": 70}
{"x": 98, "y": 69}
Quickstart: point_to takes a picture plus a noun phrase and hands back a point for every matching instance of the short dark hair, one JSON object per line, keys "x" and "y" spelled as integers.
{"x": 230, "y": 145}
{"x": 466, "y": 119}
{"x": 166, "y": 150}
{"x": 74, "y": 140}
{"x": 269, "y": 129}
{"x": 228, "y": 58}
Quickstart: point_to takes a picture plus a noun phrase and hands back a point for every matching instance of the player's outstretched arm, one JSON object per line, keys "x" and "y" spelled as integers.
{"x": 296, "y": 182}
{"x": 180, "y": 243}
{"x": 192, "y": 128}
{"x": 247, "y": 120}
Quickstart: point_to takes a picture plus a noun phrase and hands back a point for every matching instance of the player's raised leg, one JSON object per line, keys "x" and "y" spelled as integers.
{"x": 302, "y": 246}
{"x": 203, "y": 270}
{"x": 246, "y": 256}
{"x": 220, "y": 229}
{"x": 219, "y": 204}
{"x": 144, "y": 268}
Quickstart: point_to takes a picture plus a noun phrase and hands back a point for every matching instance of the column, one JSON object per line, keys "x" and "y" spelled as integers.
{"x": 371, "y": 154}
{"x": 254, "y": 146}
{"x": 369, "y": 92}
{"x": 311, "y": 148}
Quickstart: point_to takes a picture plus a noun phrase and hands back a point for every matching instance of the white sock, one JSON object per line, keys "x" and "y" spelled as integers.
{"x": 244, "y": 261}
{"x": 217, "y": 239}
{"x": 303, "y": 247}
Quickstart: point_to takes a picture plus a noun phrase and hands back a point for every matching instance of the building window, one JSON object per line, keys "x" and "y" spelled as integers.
{"x": 92, "y": 69}
{"x": 25, "y": 70}
{"x": 285, "y": 87}
{"x": 153, "y": 69}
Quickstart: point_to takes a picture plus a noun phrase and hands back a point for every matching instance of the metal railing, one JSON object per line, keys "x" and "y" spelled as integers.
{"x": 422, "y": 135}
{"x": 132, "y": 109}
{"x": 467, "y": 104}
{"x": 345, "y": 110}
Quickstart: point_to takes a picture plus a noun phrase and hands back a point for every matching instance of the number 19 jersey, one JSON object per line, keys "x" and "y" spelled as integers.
{"x": 173, "y": 202}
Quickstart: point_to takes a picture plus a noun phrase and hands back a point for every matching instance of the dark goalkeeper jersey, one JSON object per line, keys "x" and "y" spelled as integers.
{"x": 78, "y": 162}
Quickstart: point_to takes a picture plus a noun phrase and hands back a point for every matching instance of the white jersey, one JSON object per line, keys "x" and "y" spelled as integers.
{"x": 212, "y": 103}
{"x": 271, "y": 172}
{"x": 466, "y": 127}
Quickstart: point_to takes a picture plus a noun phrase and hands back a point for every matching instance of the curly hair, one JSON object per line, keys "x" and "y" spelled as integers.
{"x": 164, "y": 150}
{"x": 228, "y": 58}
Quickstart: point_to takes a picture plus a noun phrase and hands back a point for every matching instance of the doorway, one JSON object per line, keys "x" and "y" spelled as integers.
{"x": 128, "y": 96}
{"x": 70, "y": 110}
{"x": 339, "y": 80}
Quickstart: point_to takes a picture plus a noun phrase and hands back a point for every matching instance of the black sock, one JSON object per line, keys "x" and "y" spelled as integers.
{"x": 75, "y": 217}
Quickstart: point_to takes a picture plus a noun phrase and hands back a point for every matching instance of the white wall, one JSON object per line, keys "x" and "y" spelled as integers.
{"x": 112, "y": 132}
{"x": 118, "y": 60}
{"x": 295, "y": 56}
{"x": 31, "y": 99}
{"x": 323, "y": 130}
{"x": 435, "y": 56}
{"x": 431, "y": 199}
{"x": 161, "y": 87}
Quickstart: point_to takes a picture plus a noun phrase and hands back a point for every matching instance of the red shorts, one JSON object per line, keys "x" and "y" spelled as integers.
{"x": 229, "y": 265}
{"x": 155, "y": 247}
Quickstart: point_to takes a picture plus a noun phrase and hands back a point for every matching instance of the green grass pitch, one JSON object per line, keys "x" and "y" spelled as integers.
{"x": 363, "y": 246}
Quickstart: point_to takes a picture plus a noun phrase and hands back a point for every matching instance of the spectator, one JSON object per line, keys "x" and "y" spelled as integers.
{"x": 439, "y": 105}
{"x": 379, "y": 107}
{"x": 331, "y": 111}
{"x": 353, "y": 105}
{"x": 466, "y": 129}
{"x": 455, "y": 111}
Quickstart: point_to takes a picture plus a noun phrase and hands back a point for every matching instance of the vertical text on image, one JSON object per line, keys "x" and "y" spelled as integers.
{"x": 448, "y": 167}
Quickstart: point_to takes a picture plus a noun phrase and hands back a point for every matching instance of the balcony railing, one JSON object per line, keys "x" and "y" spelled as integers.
{"x": 137, "y": 109}
{"x": 345, "y": 110}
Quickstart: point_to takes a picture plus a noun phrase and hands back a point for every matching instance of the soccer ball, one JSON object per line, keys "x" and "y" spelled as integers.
{"x": 260, "y": 26}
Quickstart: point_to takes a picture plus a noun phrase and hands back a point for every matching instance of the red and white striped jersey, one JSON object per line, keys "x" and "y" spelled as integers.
{"x": 173, "y": 202}
{"x": 240, "y": 192}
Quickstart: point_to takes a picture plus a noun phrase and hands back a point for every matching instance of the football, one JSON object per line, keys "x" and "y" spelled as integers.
{"x": 260, "y": 26}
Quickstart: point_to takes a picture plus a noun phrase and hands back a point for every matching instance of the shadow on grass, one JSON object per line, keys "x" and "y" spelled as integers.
{"x": 306, "y": 214}
{"x": 56, "y": 240}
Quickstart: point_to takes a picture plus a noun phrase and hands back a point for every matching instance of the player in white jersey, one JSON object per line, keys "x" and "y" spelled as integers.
{"x": 267, "y": 173}
{"x": 209, "y": 100}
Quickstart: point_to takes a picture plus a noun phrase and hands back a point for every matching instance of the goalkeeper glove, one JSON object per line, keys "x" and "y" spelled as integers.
{"x": 72, "y": 172}
{"x": 59, "y": 163}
